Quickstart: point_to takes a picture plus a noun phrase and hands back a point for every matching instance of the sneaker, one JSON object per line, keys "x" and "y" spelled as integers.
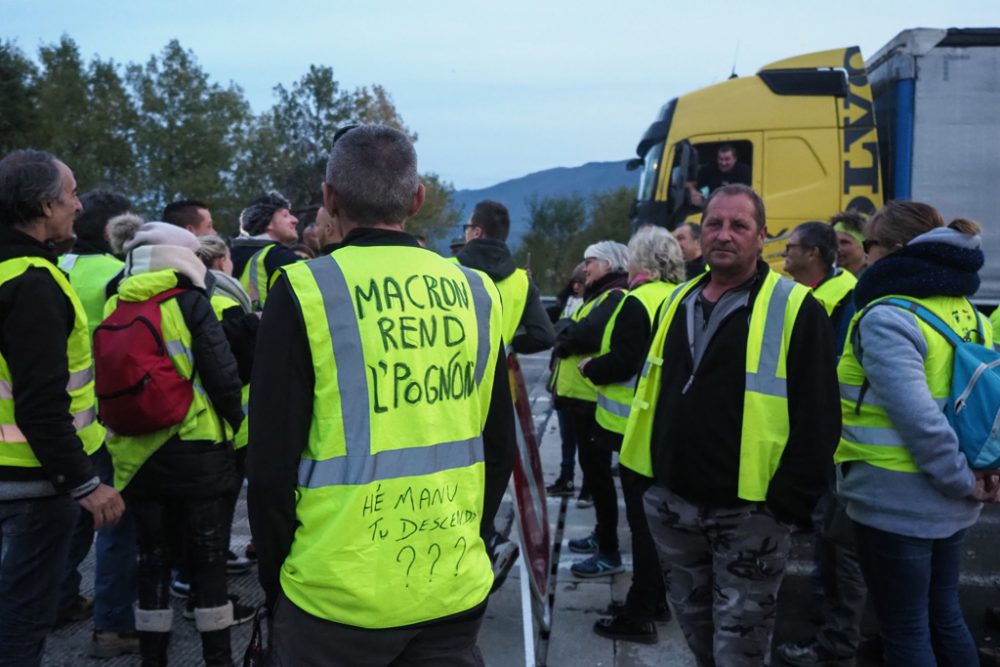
{"x": 585, "y": 500}
{"x": 241, "y": 613}
{"x": 503, "y": 555}
{"x": 561, "y": 487}
{"x": 77, "y": 609}
{"x": 598, "y": 565}
{"x": 810, "y": 654}
{"x": 179, "y": 588}
{"x": 237, "y": 564}
{"x": 584, "y": 545}
{"x": 108, "y": 644}
{"x": 624, "y": 628}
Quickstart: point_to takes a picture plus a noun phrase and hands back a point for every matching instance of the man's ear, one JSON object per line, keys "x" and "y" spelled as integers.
{"x": 418, "y": 200}
{"x": 330, "y": 200}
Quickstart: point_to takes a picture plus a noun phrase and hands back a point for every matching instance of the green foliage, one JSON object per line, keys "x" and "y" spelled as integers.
{"x": 17, "y": 98}
{"x": 563, "y": 227}
{"x": 439, "y": 215}
{"x": 163, "y": 130}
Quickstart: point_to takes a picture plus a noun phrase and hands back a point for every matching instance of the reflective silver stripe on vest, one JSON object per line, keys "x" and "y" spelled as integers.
{"x": 176, "y": 347}
{"x": 246, "y": 409}
{"x": 766, "y": 380}
{"x": 850, "y": 393}
{"x": 482, "y": 302}
{"x": 360, "y": 466}
{"x": 68, "y": 261}
{"x": 390, "y": 464}
{"x": 77, "y": 380}
{"x": 81, "y": 420}
{"x": 254, "y": 289}
{"x": 613, "y": 406}
{"x": 872, "y": 435}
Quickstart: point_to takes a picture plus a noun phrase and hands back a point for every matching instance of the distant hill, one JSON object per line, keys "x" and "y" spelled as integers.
{"x": 587, "y": 179}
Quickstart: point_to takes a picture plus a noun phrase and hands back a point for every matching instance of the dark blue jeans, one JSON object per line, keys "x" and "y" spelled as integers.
{"x": 913, "y": 584}
{"x": 34, "y": 543}
{"x": 567, "y": 468}
{"x": 116, "y": 558}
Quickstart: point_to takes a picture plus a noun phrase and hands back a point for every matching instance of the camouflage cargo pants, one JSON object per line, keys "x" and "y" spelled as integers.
{"x": 723, "y": 568}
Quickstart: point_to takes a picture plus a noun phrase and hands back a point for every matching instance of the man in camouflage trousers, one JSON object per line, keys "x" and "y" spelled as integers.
{"x": 735, "y": 418}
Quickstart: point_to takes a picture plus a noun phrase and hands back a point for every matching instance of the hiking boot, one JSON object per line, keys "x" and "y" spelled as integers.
{"x": 585, "y": 500}
{"x": 503, "y": 555}
{"x": 561, "y": 487}
{"x": 624, "y": 628}
{"x": 661, "y": 615}
{"x": 584, "y": 545}
{"x": 237, "y": 564}
{"x": 810, "y": 654}
{"x": 109, "y": 644}
{"x": 77, "y": 609}
{"x": 598, "y": 565}
{"x": 241, "y": 613}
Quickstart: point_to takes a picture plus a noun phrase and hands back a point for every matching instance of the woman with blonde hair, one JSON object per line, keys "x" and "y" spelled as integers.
{"x": 907, "y": 487}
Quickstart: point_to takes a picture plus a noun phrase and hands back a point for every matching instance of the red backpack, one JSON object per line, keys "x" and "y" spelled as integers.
{"x": 138, "y": 388}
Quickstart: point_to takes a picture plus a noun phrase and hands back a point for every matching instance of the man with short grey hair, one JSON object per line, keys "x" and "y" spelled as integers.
{"x": 736, "y": 430}
{"x": 381, "y": 432}
{"x": 48, "y": 424}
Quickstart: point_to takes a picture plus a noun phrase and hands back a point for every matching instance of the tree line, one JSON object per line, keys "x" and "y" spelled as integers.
{"x": 164, "y": 130}
{"x": 561, "y": 228}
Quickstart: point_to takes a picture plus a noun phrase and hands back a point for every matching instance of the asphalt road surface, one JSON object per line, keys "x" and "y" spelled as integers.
{"x": 578, "y": 603}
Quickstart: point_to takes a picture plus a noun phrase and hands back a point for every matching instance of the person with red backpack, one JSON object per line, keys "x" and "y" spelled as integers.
{"x": 169, "y": 393}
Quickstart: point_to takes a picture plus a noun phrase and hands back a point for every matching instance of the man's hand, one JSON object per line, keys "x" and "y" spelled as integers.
{"x": 105, "y": 504}
{"x": 694, "y": 194}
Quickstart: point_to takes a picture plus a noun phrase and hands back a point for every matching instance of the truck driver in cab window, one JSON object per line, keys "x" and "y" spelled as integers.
{"x": 726, "y": 169}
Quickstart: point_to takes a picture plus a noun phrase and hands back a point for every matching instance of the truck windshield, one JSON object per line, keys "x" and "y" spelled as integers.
{"x": 650, "y": 170}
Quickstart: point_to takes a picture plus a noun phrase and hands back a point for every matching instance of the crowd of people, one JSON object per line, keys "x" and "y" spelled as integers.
{"x": 148, "y": 368}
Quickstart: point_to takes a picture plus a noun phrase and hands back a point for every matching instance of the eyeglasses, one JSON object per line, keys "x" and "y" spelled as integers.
{"x": 868, "y": 244}
{"x": 341, "y": 132}
{"x": 795, "y": 245}
{"x": 468, "y": 227}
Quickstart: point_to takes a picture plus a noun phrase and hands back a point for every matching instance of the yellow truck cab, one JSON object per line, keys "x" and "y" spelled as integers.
{"x": 805, "y": 126}
{"x": 825, "y": 132}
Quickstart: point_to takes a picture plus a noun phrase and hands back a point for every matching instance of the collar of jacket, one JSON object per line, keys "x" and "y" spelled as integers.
{"x": 15, "y": 243}
{"x": 604, "y": 283}
{"x": 376, "y": 236}
{"x": 491, "y": 256}
{"x": 81, "y": 247}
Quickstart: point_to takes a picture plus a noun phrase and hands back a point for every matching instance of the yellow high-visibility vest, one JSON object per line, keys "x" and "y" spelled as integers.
{"x": 765, "y": 427}
{"x": 867, "y": 433}
{"x": 14, "y": 448}
{"x": 614, "y": 401}
{"x": 201, "y": 422}
{"x": 404, "y": 347}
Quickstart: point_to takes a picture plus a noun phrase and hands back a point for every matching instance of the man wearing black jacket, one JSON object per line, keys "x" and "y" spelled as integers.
{"x": 486, "y": 250}
{"x": 45, "y": 463}
{"x": 742, "y": 419}
{"x": 371, "y": 188}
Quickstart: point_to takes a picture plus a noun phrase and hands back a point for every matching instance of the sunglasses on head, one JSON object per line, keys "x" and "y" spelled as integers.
{"x": 868, "y": 244}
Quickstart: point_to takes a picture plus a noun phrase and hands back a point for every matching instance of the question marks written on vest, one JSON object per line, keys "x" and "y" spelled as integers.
{"x": 413, "y": 557}
{"x": 464, "y": 544}
{"x": 410, "y": 514}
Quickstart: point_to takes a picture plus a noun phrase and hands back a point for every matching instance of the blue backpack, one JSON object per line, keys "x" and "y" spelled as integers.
{"x": 973, "y": 407}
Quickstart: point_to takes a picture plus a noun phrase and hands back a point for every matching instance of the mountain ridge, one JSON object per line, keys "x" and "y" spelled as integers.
{"x": 587, "y": 179}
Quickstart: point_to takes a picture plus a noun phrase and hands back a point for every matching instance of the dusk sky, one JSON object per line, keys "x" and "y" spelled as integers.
{"x": 498, "y": 90}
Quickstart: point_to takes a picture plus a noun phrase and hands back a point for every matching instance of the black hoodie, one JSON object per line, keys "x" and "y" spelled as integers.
{"x": 492, "y": 257}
